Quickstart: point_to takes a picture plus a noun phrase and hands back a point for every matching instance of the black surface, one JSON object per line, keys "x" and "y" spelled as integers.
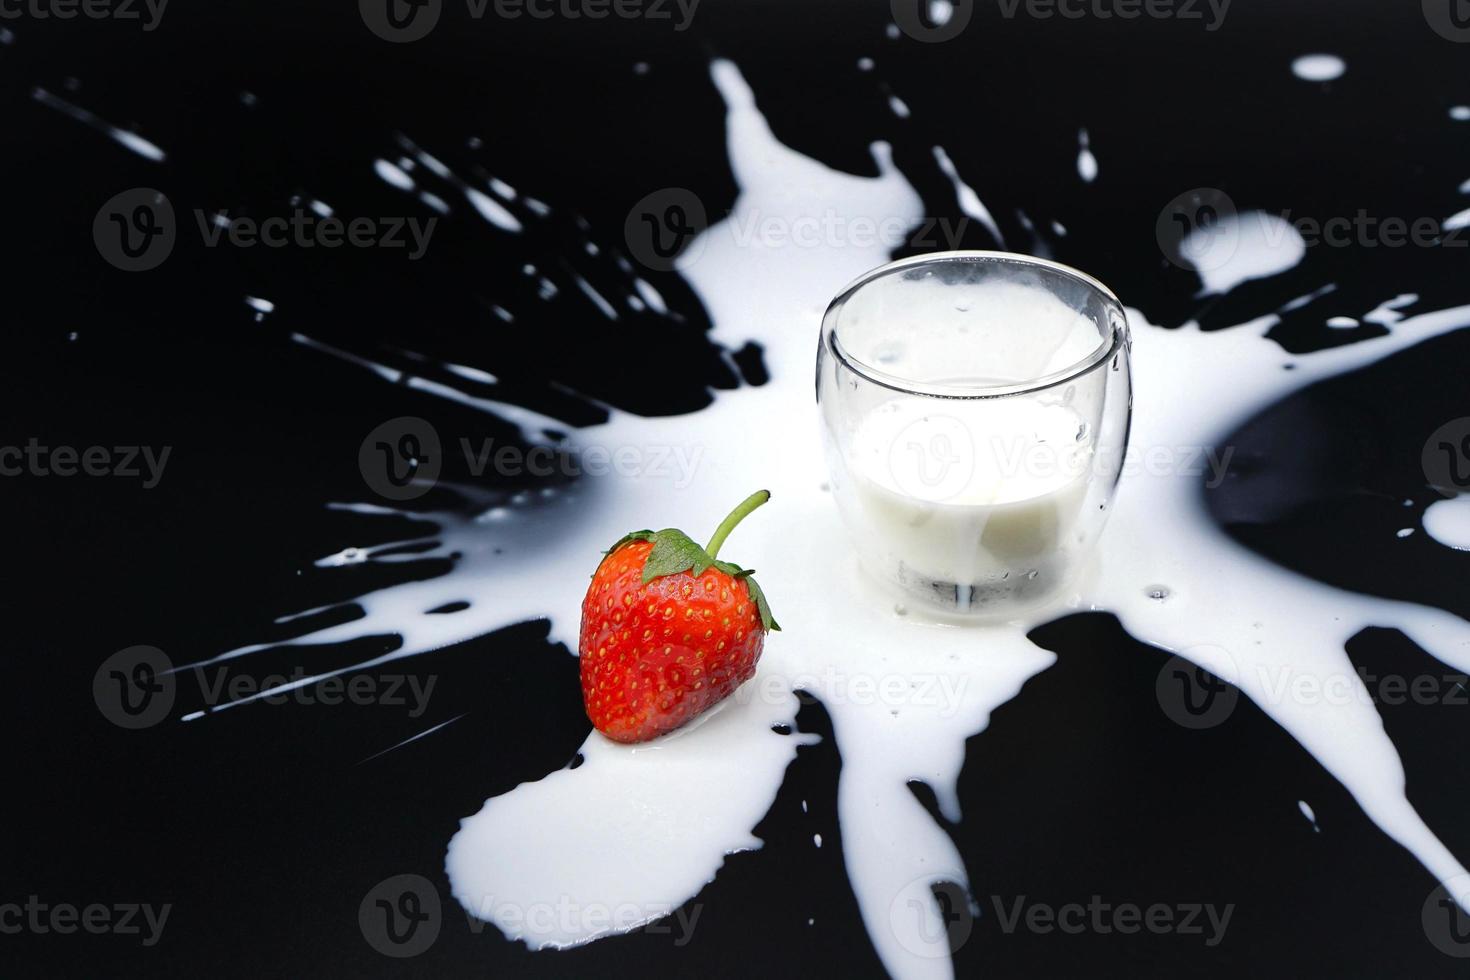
{"x": 264, "y": 828}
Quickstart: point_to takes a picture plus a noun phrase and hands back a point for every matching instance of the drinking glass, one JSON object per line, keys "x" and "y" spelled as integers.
{"x": 975, "y": 410}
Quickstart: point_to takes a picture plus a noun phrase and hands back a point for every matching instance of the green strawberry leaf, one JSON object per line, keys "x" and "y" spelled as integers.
{"x": 674, "y": 552}
{"x": 631, "y": 536}
{"x": 625, "y": 539}
{"x": 736, "y": 572}
{"x": 767, "y": 620}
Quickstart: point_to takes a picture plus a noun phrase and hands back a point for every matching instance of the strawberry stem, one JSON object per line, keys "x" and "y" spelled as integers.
{"x": 736, "y": 516}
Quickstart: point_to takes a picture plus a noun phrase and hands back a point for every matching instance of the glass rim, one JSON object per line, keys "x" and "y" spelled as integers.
{"x": 1115, "y": 338}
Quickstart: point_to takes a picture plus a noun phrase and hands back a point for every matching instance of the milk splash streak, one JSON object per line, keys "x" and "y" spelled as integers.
{"x": 632, "y": 833}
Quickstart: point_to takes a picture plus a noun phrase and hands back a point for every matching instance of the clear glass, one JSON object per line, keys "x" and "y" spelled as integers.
{"x": 975, "y": 410}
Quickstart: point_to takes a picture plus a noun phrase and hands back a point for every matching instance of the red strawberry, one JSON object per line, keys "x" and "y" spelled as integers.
{"x": 668, "y": 631}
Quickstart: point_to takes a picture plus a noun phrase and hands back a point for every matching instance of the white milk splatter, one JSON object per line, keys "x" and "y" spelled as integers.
{"x": 1448, "y": 522}
{"x": 491, "y": 210}
{"x": 393, "y": 174}
{"x": 1308, "y": 298}
{"x": 633, "y": 832}
{"x": 1386, "y": 314}
{"x": 1318, "y": 67}
{"x": 1086, "y": 161}
{"x": 1309, "y": 813}
{"x": 603, "y": 306}
{"x": 1238, "y": 247}
{"x": 123, "y": 137}
{"x": 969, "y": 201}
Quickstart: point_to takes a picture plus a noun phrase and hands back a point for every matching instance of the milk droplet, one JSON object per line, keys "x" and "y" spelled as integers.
{"x": 1309, "y": 814}
{"x": 1318, "y": 67}
{"x": 1448, "y": 522}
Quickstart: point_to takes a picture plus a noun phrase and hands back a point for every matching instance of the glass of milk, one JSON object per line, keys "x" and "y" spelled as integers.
{"x": 975, "y": 410}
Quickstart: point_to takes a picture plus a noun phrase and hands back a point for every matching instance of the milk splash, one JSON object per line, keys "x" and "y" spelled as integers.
{"x": 632, "y": 833}
{"x": 1448, "y": 522}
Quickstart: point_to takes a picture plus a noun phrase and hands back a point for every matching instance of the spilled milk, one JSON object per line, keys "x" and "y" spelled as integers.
{"x": 632, "y": 833}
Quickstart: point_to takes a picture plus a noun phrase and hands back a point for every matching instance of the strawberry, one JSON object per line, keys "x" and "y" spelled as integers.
{"x": 668, "y": 631}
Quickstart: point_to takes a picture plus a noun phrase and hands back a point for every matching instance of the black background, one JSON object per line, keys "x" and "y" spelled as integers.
{"x": 264, "y": 827}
